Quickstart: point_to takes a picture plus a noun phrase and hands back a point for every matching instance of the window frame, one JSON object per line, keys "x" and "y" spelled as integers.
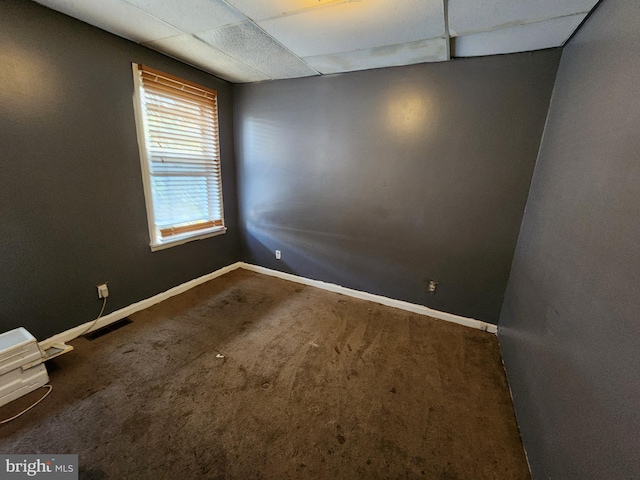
{"x": 156, "y": 242}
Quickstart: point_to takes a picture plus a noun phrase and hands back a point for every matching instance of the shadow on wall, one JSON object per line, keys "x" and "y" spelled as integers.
{"x": 308, "y": 253}
{"x": 331, "y": 257}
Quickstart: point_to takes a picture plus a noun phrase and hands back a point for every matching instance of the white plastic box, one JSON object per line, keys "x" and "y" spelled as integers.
{"x": 18, "y": 350}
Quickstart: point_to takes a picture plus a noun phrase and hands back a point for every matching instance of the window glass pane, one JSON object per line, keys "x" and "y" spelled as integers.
{"x": 181, "y": 151}
{"x": 179, "y": 200}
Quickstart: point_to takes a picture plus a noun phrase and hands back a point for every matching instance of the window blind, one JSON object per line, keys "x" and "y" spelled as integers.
{"x": 183, "y": 154}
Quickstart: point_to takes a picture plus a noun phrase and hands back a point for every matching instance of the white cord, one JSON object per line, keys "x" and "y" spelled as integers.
{"x": 50, "y": 387}
{"x": 104, "y": 304}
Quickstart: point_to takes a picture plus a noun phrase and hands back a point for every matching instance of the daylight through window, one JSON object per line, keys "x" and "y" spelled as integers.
{"x": 177, "y": 125}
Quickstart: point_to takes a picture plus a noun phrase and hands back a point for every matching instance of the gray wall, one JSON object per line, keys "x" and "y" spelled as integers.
{"x": 569, "y": 329}
{"x": 72, "y": 211}
{"x": 381, "y": 180}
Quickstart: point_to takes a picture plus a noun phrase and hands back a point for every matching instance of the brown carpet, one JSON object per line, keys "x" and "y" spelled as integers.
{"x": 313, "y": 385}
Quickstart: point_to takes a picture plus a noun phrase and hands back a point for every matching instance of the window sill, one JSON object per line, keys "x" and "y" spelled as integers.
{"x": 182, "y": 239}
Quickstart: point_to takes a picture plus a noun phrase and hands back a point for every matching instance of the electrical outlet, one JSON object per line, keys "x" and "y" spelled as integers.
{"x": 103, "y": 291}
{"x": 432, "y": 286}
{"x": 278, "y": 255}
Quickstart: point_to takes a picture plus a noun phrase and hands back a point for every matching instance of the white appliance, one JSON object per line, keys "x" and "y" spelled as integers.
{"x": 21, "y": 365}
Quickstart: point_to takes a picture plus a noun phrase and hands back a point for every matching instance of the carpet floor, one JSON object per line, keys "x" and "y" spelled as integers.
{"x": 252, "y": 377}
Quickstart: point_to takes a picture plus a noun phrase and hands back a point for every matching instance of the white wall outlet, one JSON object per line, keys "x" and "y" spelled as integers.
{"x": 432, "y": 286}
{"x": 103, "y": 291}
{"x": 278, "y": 255}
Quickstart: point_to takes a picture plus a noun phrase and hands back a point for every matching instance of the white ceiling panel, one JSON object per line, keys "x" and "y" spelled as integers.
{"x": 264, "y": 9}
{"x": 192, "y": 16}
{"x": 249, "y": 44}
{"x": 434, "y": 50}
{"x": 471, "y": 16}
{"x": 201, "y": 55}
{"x": 523, "y": 38}
{"x": 115, "y": 16}
{"x": 254, "y": 40}
{"x": 357, "y": 25}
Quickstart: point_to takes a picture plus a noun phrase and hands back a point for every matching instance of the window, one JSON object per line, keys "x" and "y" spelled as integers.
{"x": 177, "y": 123}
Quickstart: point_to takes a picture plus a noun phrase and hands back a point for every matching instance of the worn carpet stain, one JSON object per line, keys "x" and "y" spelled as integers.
{"x": 251, "y": 377}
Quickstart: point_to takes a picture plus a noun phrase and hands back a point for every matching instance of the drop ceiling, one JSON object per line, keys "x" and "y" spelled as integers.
{"x": 253, "y": 40}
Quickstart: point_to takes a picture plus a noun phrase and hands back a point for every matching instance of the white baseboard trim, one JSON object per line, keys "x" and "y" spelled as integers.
{"x": 133, "y": 308}
{"x": 390, "y": 302}
{"x": 72, "y": 333}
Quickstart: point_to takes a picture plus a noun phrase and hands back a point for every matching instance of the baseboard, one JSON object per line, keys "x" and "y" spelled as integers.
{"x": 72, "y": 333}
{"x": 390, "y": 302}
{"x": 133, "y": 308}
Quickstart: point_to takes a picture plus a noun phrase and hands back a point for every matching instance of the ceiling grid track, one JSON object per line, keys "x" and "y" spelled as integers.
{"x": 447, "y": 34}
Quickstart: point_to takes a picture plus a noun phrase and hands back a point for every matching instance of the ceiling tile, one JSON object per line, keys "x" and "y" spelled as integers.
{"x": 351, "y": 26}
{"x": 470, "y": 16}
{"x": 192, "y": 16}
{"x": 247, "y": 43}
{"x": 533, "y": 36}
{"x": 115, "y": 16}
{"x": 201, "y": 55}
{"x": 434, "y": 50}
{"x": 263, "y": 9}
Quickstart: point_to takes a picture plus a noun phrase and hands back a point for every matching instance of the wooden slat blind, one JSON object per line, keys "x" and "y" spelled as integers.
{"x": 183, "y": 153}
